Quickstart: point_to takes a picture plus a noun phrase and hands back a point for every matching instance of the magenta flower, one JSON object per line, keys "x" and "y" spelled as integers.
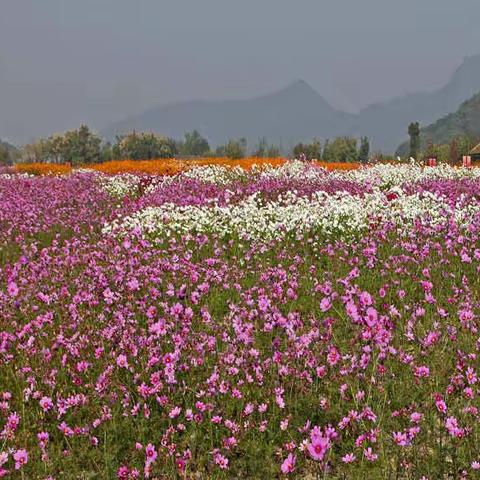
{"x": 220, "y": 460}
{"x": 318, "y": 445}
{"x": 325, "y": 304}
{"x": 122, "y": 361}
{"x": 288, "y": 465}
{"x": 401, "y": 439}
{"x": 369, "y": 455}
{"x": 349, "y": 458}
{"x": 12, "y": 289}
{"x": 46, "y": 403}
{"x": 151, "y": 453}
{"x": 21, "y": 459}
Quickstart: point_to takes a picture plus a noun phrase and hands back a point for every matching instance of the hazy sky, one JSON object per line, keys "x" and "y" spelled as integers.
{"x": 63, "y": 62}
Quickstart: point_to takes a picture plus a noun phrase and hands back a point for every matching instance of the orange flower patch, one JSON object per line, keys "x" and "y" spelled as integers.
{"x": 152, "y": 167}
{"x": 43, "y": 168}
{"x": 169, "y": 166}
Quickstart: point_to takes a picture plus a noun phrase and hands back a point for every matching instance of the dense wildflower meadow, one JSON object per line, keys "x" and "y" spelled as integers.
{"x": 235, "y": 323}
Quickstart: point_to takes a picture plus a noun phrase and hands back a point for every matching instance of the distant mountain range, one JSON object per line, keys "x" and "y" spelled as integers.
{"x": 290, "y": 115}
{"x": 299, "y": 113}
{"x": 464, "y": 122}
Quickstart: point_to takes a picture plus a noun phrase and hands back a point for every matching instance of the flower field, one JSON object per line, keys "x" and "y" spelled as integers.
{"x": 237, "y": 322}
{"x": 168, "y": 167}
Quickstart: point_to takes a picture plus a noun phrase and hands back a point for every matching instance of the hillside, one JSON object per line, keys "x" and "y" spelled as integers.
{"x": 387, "y": 123}
{"x": 299, "y": 113}
{"x": 295, "y": 113}
{"x": 464, "y": 122}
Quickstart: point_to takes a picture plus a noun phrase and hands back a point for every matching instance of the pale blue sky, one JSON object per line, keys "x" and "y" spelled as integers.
{"x": 63, "y": 62}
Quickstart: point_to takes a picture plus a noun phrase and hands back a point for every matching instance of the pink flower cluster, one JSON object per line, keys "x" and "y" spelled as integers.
{"x": 214, "y": 357}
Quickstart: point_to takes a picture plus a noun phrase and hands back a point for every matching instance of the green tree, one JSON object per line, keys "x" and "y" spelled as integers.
{"x": 106, "y": 153}
{"x": 414, "y": 133}
{"x": 233, "y": 149}
{"x": 8, "y": 153}
{"x": 439, "y": 151}
{"x": 274, "y": 151}
{"x": 4, "y": 155}
{"x": 312, "y": 151}
{"x": 80, "y": 146}
{"x": 261, "y": 149}
{"x": 264, "y": 150}
{"x": 465, "y": 144}
{"x": 144, "y": 146}
{"x": 364, "y": 153}
{"x": 76, "y": 147}
{"x": 195, "y": 144}
{"x": 342, "y": 149}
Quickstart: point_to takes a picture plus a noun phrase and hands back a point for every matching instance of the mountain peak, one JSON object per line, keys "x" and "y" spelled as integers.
{"x": 468, "y": 68}
{"x": 300, "y": 86}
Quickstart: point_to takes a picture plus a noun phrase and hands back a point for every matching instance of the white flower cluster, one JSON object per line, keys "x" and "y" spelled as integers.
{"x": 215, "y": 174}
{"x": 386, "y": 176}
{"x": 119, "y": 185}
{"x": 341, "y": 215}
{"x": 295, "y": 169}
{"x": 14, "y": 176}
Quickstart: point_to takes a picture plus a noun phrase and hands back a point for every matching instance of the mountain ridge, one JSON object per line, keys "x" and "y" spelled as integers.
{"x": 463, "y": 122}
{"x": 298, "y": 113}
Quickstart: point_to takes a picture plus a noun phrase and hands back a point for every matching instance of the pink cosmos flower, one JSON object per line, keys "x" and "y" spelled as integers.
{"x": 318, "y": 446}
{"x": 441, "y": 405}
{"x": 284, "y": 424}
{"x": 349, "y": 458}
{"x": 180, "y": 463}
{"x": 401, "y": 439}
{"x": 415, "y": 417}
{"x": 12, "y": 289}
{"x": 288, "y": 465}
{"x": 333, "y": 356}
{"x": 372, "y": 317}
{"x": 123, "y": 472}
{"x": 46, "y": 403}
{"x": 352, "y": 310}
{"x": 422, "y": 371}
{"x": 220, "y": 460}
{"x": 366, "y": 299}
{"x": 133, "y": 284}
{"x": 168, "y": 359}
{"x": 122, "y": 361}
{"x": 21, "y": 458}
{"x": 369, "y": 455}
{"x": 451, "y": 424}
{"x": 325, "y": 304}
{"x": 471, "y": 376}
{"x": 43, "y": 437}
{"x": 151, "y": 453}
{"x": 13, "y": 421}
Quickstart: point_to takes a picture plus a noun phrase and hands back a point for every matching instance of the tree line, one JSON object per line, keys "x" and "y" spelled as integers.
{"x": 83, "y": 146}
